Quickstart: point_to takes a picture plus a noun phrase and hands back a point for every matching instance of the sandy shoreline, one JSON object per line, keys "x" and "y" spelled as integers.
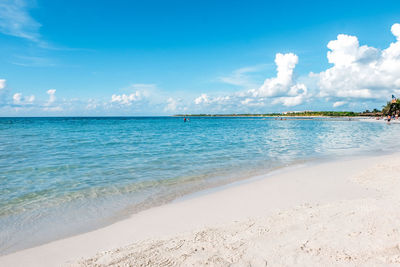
{"x": 332, "y": 213}
{"x": 381, "y": 120}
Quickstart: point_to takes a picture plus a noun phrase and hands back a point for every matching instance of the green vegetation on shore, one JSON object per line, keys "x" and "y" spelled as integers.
{"x": 292, "y": 114}
{"x": 391, "y": 107}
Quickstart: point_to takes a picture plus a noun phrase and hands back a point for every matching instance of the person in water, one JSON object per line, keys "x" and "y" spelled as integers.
{"x": 184, "y": 119}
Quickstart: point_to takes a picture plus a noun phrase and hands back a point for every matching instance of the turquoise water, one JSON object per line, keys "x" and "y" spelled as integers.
{"x": 61, "y": 176}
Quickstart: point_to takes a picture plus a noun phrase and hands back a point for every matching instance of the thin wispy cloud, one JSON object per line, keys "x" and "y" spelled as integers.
{"x": 15, "y": 20}
{"x": 143, "y": 86}
{"x": 29, "y": 61}
{"x": 243, "y": 77}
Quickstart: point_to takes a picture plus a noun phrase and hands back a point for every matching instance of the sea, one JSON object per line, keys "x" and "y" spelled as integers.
{"x": 64, "y": 176}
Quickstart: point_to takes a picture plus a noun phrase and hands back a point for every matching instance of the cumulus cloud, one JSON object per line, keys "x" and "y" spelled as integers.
{"x": 16, "y": 21}
{"x": 52, "y": 96}
{"x": 127, "y": 99}
{"x": 140, "y": 92}
{"x": 2, "y": 83}
{"x": 396, "y": 30}
{"x": 205, "y": 99}
{"x": 18, "y": 99}
{"x": 282, "y": 84}
{"x": 296, "y": 96}
{"x": 361, "y": 71}
{"x": 50, "y": 105}
{"x": 283, "y": 89}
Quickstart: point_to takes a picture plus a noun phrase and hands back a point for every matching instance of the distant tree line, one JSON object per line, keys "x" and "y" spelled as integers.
{"x": 391, "y": 108}
{"x": 305, "y": 114}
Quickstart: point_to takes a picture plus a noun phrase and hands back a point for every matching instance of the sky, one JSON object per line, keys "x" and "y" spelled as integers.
{"x": 138, "y": 58}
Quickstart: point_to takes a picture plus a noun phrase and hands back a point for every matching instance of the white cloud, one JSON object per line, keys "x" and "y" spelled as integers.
{"x": 247, "y": 101}
{"x": 171, "y": 104}
{"x": 251, "y": 102}
{"x": 31, "y": 98}
{"x": 127, "y": 99}
{"x": 296, "y": 96}
{"x": 361, "y": 71}
{"x": 282, "y": 89}
{"x": 18, "y": 99}
{"x": 396, "y": 30}
{"x": 140, "y": 92}
{"x": 16, "y": 21}
{"x": 339, "y": 104}
{"x": 203, "y": 98}
{"x": 52, "y": 96}
{"x": 282, "y": 84}
{"x": 2, "y": 83}
{"x": 92, "y": 104}
{"x": 49, "y": 105}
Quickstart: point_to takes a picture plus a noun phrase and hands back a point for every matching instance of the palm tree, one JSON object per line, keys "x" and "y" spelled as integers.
{"x": 386, "y": 108}
{"x": 391, "y": 108}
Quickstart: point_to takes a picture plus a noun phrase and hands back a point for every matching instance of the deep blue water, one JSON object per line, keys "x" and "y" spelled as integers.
{"x": 60, "y": 176}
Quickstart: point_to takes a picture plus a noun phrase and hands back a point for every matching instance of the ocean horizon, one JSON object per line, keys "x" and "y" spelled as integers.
{"x": 61, "y": 176}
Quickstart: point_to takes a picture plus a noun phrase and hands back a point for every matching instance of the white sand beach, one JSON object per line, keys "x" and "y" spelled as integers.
{"x": 335, "y": 213}
{"x": 380, "y": 120}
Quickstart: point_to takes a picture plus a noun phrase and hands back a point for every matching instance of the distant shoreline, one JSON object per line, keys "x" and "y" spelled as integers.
{"x": 270, "y": 116}
{"x": 316, "y": 114}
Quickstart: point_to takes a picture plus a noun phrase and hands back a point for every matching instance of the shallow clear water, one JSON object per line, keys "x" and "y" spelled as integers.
{"x": 61, "y": 176}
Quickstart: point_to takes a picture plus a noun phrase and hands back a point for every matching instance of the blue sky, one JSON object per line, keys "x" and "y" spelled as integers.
{"x": 60, "y": 58}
